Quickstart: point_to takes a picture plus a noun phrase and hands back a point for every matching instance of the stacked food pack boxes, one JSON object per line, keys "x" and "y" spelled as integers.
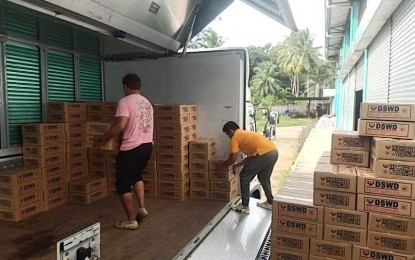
{"x": 223, "y": 181}
{"x": 88, "y": 190}
{"x": 201, "y": 151}
{"x": 44, "y": 147}
{"x": 173, "y": 133}
{"x": 21, "y": 193}
{"x": 150, "y": 176}
{"x": 103, "y": 112}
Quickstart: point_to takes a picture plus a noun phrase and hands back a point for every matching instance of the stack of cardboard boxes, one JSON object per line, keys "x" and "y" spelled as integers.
{"x": 173, "y": 133}
{"x": 200, "y": 152}
{"x": 150, "y": 176}
{"x": 223, "y": 182}
{"x": 368, "y": 212}
{"x": 101, "y": 112}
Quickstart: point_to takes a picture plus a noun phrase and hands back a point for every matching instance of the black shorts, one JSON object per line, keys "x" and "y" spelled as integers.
{"x": 130, "y": 166}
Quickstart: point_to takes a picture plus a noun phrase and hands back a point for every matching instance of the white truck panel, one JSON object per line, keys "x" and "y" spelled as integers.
{"x": 215, "y": 81}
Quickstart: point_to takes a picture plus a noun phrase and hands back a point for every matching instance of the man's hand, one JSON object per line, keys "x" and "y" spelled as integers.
{"x": 99, "y": 141}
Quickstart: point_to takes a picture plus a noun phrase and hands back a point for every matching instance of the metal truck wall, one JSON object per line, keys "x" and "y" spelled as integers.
{"x": 402, "y": 59}
{"x": 378, "y": 66}
{"x": 351, "y": 99}
{"x": 212, "y": 80}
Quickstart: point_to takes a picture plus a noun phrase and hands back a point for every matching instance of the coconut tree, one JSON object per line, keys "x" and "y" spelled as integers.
{"x": 208, "y": 38}
{"x": 264, "y": 81}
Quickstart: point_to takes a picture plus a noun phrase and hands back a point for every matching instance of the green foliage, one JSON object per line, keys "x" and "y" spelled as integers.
{"x": 208, "y": 38}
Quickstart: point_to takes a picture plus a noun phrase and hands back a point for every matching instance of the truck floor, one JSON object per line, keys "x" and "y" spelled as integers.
{"x": 168, "y": 228}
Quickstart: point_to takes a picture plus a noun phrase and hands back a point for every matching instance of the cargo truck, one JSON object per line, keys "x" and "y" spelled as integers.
{"x": 148, "y": 38}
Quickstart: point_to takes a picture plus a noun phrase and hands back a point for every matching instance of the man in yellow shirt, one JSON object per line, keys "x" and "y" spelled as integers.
{"x": 261, "y": 154}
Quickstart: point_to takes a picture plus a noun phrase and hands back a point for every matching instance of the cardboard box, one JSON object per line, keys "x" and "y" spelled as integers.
{"x": 58, "y": 107}
{"x": 149, "y": 174}
{"x": 151, "y": 192}
{"x": 385, "y": 223}
{"x": 172, "y": 148}
{"x": 174, "y": 194}
{"x": 388, "y": 111}
{"x": 77, "y": 169}
{"x": 110, "y": 108}
{"x": 386, "y": 205}
{"x": 173, "y": 176}
{"x": 172, "y": 119}
{"x": 96, "y": 154}
{"x": 75, "y": 146}
{"x": 330, "y": 249}
{"x": 290, "y": 242}
{"x": 335, "y": 177}
{"x": 46, "y": 139}
{"x": 67, "y": 117}
{"x": 47, "y": 161}
{"x": 75, "y": 156}
{"x": 201, "y": 157}
{"x": 177, "y": 109}
{"x": 369, "y": 184}
{"x": 357, "y": 158}
{"x": 365, "y": 253}
{"x": 346, "y": 235}
{"x": 334, "y": 199}
{"x": 50, "y": 192}
{"x": 215, "y": 164}
{"x": 202, "y": 145}
{"x": 278, "y": 254}
{"x": 221, "y": 175}
{"x": 97, "y": 164}
{"x": 393, "y": 169}
{"x": 174, "y": 185}
{"x": 15, "y": 176}
{"x": 223, "y": 195}
{"x": 172, "y": 167}
{"x": 174, "y": 129}
{"x": 53, "y": 170}
{"x": 297, "y": 227}
{"x": 15, "y": 203}
{"x": 199, "y": 194}
{"x": 313, "y": 257}
{"x": 393, "y": 129}
{"x": 194, "y": 118}
{"x": 23, "y": 213}
{"x": 173, "y": 157}
{"x": 87, "y": 185}
{"x": 345, "y": 218}
{"x": 393, "y": 149}
{"x": 151, "y": 183}
{"x": 94, "y": 117}
{"x": 113, "y": 144}
{"x": 297, "y": 210}
{"x": 199, "y": 185}
{"x": 20, "y": 189}
{"x": 82, "y": 198}
{"x": 43, "y": 151}
{"x": 95, "y": 107}
{"x": 78, "y": 127}
{"x": 97, "y": 128}
{"x": 40, "y": 129}
{"x": 57, "y": 201}
{"x": 389, "y": 242}
{"x": 198, "y": 166}
{"x": 349, "y": 140}
{"x": 224, "y": 185}
{"x": 54, "y": 180}
{"x": 200, "y": 176}
{"x": 75, "y": 137}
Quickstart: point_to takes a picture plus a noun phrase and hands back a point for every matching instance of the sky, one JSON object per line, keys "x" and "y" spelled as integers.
{"x": 242, "y": 25}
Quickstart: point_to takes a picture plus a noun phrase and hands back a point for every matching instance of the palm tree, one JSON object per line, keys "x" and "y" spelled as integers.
{"x": 298, "y": 56}
{"x": 265, "y": 80}
{"x": 208, "y": 38}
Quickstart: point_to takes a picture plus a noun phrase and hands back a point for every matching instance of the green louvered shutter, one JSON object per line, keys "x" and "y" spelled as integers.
{"x": 58, "y": 34}
{"x": 90, "y": 79}
{"x": 21, "y": 24}
{"x": 23, "y": 88}
{"x": 88, "y": 43}
{"x": 61, "y": 79}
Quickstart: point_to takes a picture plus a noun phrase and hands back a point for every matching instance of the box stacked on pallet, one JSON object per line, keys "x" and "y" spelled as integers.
{"x": 110, "y": 159}
{"x": 21, "y": 194}
{"x": 173, "y": 133}
{"x": 223, "y": 182}
{"x": 88, "y": 190}
{"x": 44, "y": 147}
{"x": 347, "y": 147}
{"x": 201, "y": 151}
{"x": 150, "y": 177}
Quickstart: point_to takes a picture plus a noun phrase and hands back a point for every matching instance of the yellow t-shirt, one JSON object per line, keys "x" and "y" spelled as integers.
{"x": 250, "y": 143}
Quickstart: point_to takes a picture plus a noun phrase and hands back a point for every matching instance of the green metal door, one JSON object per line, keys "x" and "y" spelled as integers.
{"x": 23, "y": 89}
{"x": 90, "y": 79}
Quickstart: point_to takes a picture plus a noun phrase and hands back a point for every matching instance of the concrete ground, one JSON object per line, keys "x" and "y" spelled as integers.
{"x": 291, "y": 159}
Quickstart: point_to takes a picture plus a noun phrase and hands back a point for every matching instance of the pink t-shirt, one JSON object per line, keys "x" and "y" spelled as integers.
{"x": 139, "y": 129}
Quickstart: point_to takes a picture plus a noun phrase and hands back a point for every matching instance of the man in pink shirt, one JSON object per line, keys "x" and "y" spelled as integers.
{"x": 134, "y": 119}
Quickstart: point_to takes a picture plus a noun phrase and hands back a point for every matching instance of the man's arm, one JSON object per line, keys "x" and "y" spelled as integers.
{"x": 231, "y": 160}
{"x": 117, "y": 128}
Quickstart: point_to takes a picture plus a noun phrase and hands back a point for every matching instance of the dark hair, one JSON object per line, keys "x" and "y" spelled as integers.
{"x": 231, "y": 125}
{"x": 132, "y": 81}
